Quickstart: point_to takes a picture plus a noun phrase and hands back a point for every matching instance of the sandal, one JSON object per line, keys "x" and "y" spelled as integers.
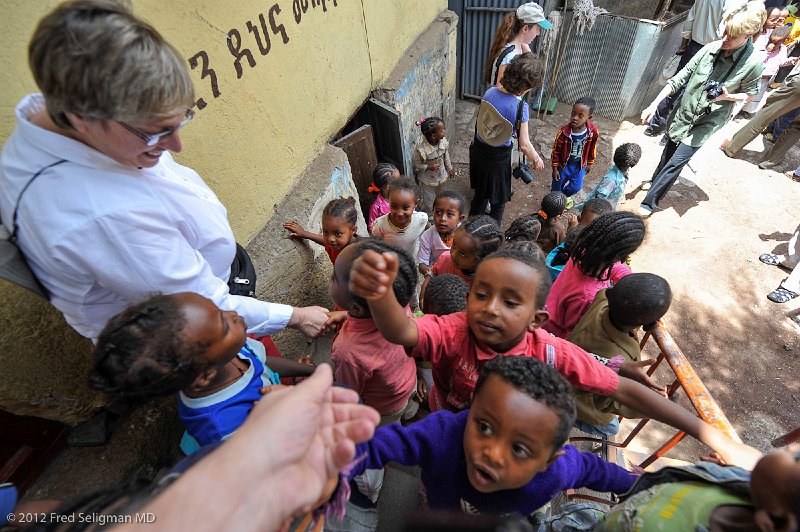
{"x": 791, "y": 175}
{"x": 770, "y": 258}
{"x": 781, "y": 295}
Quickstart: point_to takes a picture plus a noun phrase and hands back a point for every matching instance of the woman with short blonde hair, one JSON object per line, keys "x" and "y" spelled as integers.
{"x": 722, "y": 74}
{"x": 102, "y": 212}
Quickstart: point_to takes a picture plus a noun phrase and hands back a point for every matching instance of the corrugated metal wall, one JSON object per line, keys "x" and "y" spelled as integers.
{"x": 479, "y": 20}
{"x": 618, "y": 62}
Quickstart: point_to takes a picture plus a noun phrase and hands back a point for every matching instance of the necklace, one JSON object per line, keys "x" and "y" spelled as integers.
{"x": 234, "y": 379}
{"x": 394, "y": 227}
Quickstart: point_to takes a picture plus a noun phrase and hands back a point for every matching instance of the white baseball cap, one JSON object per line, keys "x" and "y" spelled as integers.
{"x": 532, "y": 13}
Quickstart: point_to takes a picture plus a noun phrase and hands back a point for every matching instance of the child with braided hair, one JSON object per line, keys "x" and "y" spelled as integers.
{"x": 431, "y": 160}
{"x": 590, "y": 210}
{"x": 596, "y": 261}
{"x": 554, "y": 221}
{"x": 524, "y": 228}
{"x": 382, "y": 175}
{"x": 339, "y": 221}
{"x": 477, "y": 237}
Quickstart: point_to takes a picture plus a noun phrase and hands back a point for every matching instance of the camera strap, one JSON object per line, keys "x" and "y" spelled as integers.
{"x": 736, "y": 62}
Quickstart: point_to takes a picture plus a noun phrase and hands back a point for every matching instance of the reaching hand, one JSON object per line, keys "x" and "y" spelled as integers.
{"x": 293, "y": 443}
{"x": 723, "y": 97}
{"x": 434, "y": 167}
{"x": 572, "y": 220}
{"x": 336, "y": 319}
{"x": 294, "y": 228}
{"x": 266, "y": 390}
{"x": 422, "y": 386}
{"x": 647, "y": 114}
{"x": 309, "y": 320}
{"x": 737, "y": 454}
{"x": 373, "y": 273}
{"x": 637, "y": 371}
{"x": 538, "y": 163}
{"x": 556, "y": 174}
{"x": 308, "y": 431}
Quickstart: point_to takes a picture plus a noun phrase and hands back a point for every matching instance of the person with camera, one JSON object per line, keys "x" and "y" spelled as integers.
{"x": 719, "y": 75}
{"x": 502, "y": 114}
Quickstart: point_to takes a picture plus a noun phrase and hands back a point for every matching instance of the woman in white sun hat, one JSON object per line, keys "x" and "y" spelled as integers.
{"x": 512, "y": 38}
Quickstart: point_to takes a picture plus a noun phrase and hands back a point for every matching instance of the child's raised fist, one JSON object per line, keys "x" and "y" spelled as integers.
{"x": 373, "y": 273}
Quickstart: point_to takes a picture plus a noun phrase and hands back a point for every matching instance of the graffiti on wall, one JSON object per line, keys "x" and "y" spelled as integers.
{"x": 258, "y": 34}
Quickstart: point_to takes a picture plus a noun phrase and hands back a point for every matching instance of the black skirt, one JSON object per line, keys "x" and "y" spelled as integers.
{"x": 490, "y": 171}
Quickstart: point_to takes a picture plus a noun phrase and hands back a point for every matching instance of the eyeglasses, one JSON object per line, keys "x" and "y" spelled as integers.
{"x": 152, "y": 140}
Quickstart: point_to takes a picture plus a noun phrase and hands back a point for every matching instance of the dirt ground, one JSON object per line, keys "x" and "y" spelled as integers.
{"x": 705, "y": 240}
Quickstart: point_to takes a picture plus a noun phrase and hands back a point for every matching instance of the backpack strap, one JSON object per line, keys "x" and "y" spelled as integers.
{"x": 499, "y": 61}
{"x": 15, "y": 228}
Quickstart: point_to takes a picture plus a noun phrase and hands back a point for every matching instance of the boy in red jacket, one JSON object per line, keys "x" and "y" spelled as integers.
{"x": 574, "y": 149}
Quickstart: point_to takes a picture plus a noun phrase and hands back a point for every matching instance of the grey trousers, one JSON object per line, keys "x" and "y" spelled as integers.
{"x": 781, "y": 101}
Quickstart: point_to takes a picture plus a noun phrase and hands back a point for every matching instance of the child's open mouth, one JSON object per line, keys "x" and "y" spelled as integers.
{"x": 482, "y": 477}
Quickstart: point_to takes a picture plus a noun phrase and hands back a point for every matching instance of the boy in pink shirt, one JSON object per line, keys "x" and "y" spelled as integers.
{"x": 595, "y": 263}
{"x": 504, "y": 309}
{"x": 379, "y": 371}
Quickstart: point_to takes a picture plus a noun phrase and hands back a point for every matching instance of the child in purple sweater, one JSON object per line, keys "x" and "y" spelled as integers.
{"x": 505, "y": 454}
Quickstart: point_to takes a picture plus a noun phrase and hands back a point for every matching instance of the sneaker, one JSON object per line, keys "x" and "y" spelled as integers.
{"x": 652, "y": 132}
{"x": 766, "y": 165}
{"x": 644, "y": 211}
{"x": 646, "y": 185}
{"x": 769, "y": 137}
{"x": 663, "y": 141}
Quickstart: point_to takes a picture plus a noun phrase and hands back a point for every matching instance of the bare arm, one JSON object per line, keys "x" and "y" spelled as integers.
{"x": 294, "y": 441}
{"x": 286, "y": 367}
{"x": 297, "y": 231}
{"x": 500, "y": 70}
{"x": 371, "y": 277}
{"x": 636, "y": 396}
{"x": 648, "y": 112}
{"x": 527, "y": 148}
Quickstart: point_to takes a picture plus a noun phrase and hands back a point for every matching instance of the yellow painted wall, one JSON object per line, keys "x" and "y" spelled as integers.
{"x": 252, "y": 141}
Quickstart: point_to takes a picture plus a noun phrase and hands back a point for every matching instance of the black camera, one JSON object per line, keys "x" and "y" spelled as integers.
{"x": 523, "y": 172}
{"x": 713, "y": 89}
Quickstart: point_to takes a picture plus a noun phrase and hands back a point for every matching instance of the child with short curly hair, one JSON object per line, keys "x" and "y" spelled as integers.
{"x": 612, "y": 186}
{"x": 505, "y": 309}
{"x": 596, "y": 261}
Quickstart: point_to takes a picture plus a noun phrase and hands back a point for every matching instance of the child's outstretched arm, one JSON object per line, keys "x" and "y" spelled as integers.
{"x": 371, "y": 277}
{"x": 649, "y": 403}
{"x": 297, "y": 231}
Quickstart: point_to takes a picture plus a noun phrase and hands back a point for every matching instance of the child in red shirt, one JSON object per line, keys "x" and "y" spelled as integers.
{"x": 505, "y": 308}
{"x": 339, "y": 221}
{"x": 363, "y": 360}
